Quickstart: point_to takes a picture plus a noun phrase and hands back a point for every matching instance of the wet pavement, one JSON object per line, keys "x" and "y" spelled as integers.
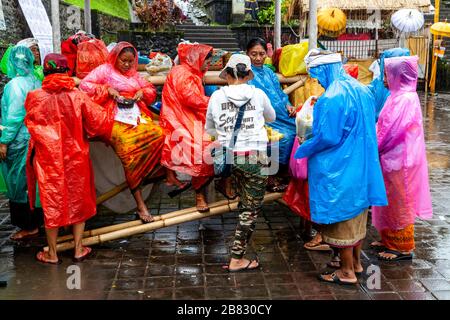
{"x": 185, "y": 261}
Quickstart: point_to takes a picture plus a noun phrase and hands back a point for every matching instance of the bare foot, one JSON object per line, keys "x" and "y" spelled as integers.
{"x": 24, "y": 234}
{"x": 144, "y": 215}
{"x": 201, "y": 203}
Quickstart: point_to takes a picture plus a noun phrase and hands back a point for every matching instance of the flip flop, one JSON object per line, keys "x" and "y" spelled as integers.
{"x": 84, "y": 256}
{"x": 40, "y": 257}
{"x": 318, "y": 246}
{"x": 246, "y": 268}
{"x": 399, "y": 256}
{"x": 379, "y": 246}
{"x": 329, "y": 265}
{"x": 335, "y": 279}
{"x": 27, "y": 237}
{"x": 177, "y": 191}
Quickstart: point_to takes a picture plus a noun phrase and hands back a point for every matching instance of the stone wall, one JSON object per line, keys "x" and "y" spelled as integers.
{"x": 145, "y": 42}
{"x": 247, "y": 32}
{"x": 220, "y": 10}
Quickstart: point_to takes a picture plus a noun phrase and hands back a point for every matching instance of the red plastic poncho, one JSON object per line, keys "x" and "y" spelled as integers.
{"x": 60, "y": 118}
{"x": 183, "y": 114}
{"x": 69, "y": 49}
{"x": 90, "y": 55}
{"x": 96, "y": 83}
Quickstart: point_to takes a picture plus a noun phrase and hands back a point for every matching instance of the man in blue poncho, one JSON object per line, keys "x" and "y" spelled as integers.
{"x": 14, "y": 141}
{"x": 377, "y": 87}
{"x": 344, "y": 171}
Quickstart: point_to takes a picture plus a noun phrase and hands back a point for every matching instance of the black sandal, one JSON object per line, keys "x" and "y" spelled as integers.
{"x": 335, "y": 279}
{"x": 398, "y": 256}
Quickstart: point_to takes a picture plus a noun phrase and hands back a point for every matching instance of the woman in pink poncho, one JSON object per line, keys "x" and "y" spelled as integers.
{"x": 403, "y": 160}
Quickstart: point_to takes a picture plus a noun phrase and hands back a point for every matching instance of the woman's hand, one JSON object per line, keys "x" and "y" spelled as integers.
{"x": 3, "y": 151}
{"x": 113, "y": 92}
{"x": 138, "y": 96}
{"x": 292, "y": 111}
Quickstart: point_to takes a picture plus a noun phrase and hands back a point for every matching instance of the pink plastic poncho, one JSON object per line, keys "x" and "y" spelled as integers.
{"x": 401, "y": 147}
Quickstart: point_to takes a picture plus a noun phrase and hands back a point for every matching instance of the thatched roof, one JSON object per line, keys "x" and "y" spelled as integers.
{"x": 422, "y": 5}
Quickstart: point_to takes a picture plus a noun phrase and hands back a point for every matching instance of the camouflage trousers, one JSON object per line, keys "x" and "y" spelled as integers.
{"x": 250, "y": 186}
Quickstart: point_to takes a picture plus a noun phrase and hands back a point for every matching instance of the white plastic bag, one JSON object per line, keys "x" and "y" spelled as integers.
{"x": 304, "y": 118}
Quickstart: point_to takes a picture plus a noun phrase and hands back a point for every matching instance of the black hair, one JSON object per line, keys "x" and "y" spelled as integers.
{"x": 255, "y": 42}
{"x": 241, "y": 71}
{"x": 128, "y": 49}
{"x": 209, "y": 55}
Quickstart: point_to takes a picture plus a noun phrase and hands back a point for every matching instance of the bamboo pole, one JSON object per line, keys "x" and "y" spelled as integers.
{"x": 111, "y": 193}
{"x": 120, "y": 226}
{"x": 158, "y": 224}
{"x": 295, "y": 86}
{"x": 212, "y": 78}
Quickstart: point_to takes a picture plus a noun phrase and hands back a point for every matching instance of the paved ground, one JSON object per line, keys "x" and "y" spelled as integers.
{"x": 184, "y": 262}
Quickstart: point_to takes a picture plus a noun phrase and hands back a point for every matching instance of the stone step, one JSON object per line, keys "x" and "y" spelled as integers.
{"x": 211, "y": 40}
{"x": 209, "y": 35}
{"x": 203, "y": 28}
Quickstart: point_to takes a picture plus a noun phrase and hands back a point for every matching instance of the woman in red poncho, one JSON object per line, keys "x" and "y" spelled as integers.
{"x": 136, "y": 139}
{"x": 60, "y": 118}
{"x": 183, "y": 117}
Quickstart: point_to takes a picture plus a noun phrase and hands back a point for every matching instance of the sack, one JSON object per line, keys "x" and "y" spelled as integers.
{"x": 298, "y": 168}
{"x": 90, "y": 55}
{"x": 304, "y": 118}
{"x": 292, "y": 59}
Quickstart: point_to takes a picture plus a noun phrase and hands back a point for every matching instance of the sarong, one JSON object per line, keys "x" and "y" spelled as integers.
{"x": 400, "y": 240}
{"x": 346, "y": 234}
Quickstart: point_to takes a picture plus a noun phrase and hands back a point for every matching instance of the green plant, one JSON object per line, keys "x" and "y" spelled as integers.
{"x": 267, "y": 14}
{"x": 155, "y": 15}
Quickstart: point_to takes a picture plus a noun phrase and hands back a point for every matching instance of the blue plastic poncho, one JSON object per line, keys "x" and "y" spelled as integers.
{"x": 15, "y": 135}
{"x": 266, "y": 80}
{"x": 380, "y": 92}
{"x": 344, "y": 171}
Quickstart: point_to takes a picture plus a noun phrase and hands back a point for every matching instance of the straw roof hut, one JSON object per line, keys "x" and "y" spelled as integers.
{"x": 422, "y": 5}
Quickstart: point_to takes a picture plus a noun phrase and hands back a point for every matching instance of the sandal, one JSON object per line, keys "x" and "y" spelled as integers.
{"x": 317, "y": 246}
{"x": 377, "y": 245}
{"x": 40, "y": 256}
{"x": 25, "y": 237}
{"x": 84, "y": 256}
{"x": 179, "y": 190}
{"x": 398, "y": 256}
{"x": 335, "y": 279}
{"x": 246, "y": 268}
{"x": 338, "y": 266}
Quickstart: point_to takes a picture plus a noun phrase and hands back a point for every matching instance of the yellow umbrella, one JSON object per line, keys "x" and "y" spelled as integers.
{"x": 331, "y": 22}
{"x": 441, "y": 29}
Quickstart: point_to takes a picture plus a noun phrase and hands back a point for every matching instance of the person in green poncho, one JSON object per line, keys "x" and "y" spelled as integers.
{"x": 33, "y": 45}
{"x": 14, "y": 141}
